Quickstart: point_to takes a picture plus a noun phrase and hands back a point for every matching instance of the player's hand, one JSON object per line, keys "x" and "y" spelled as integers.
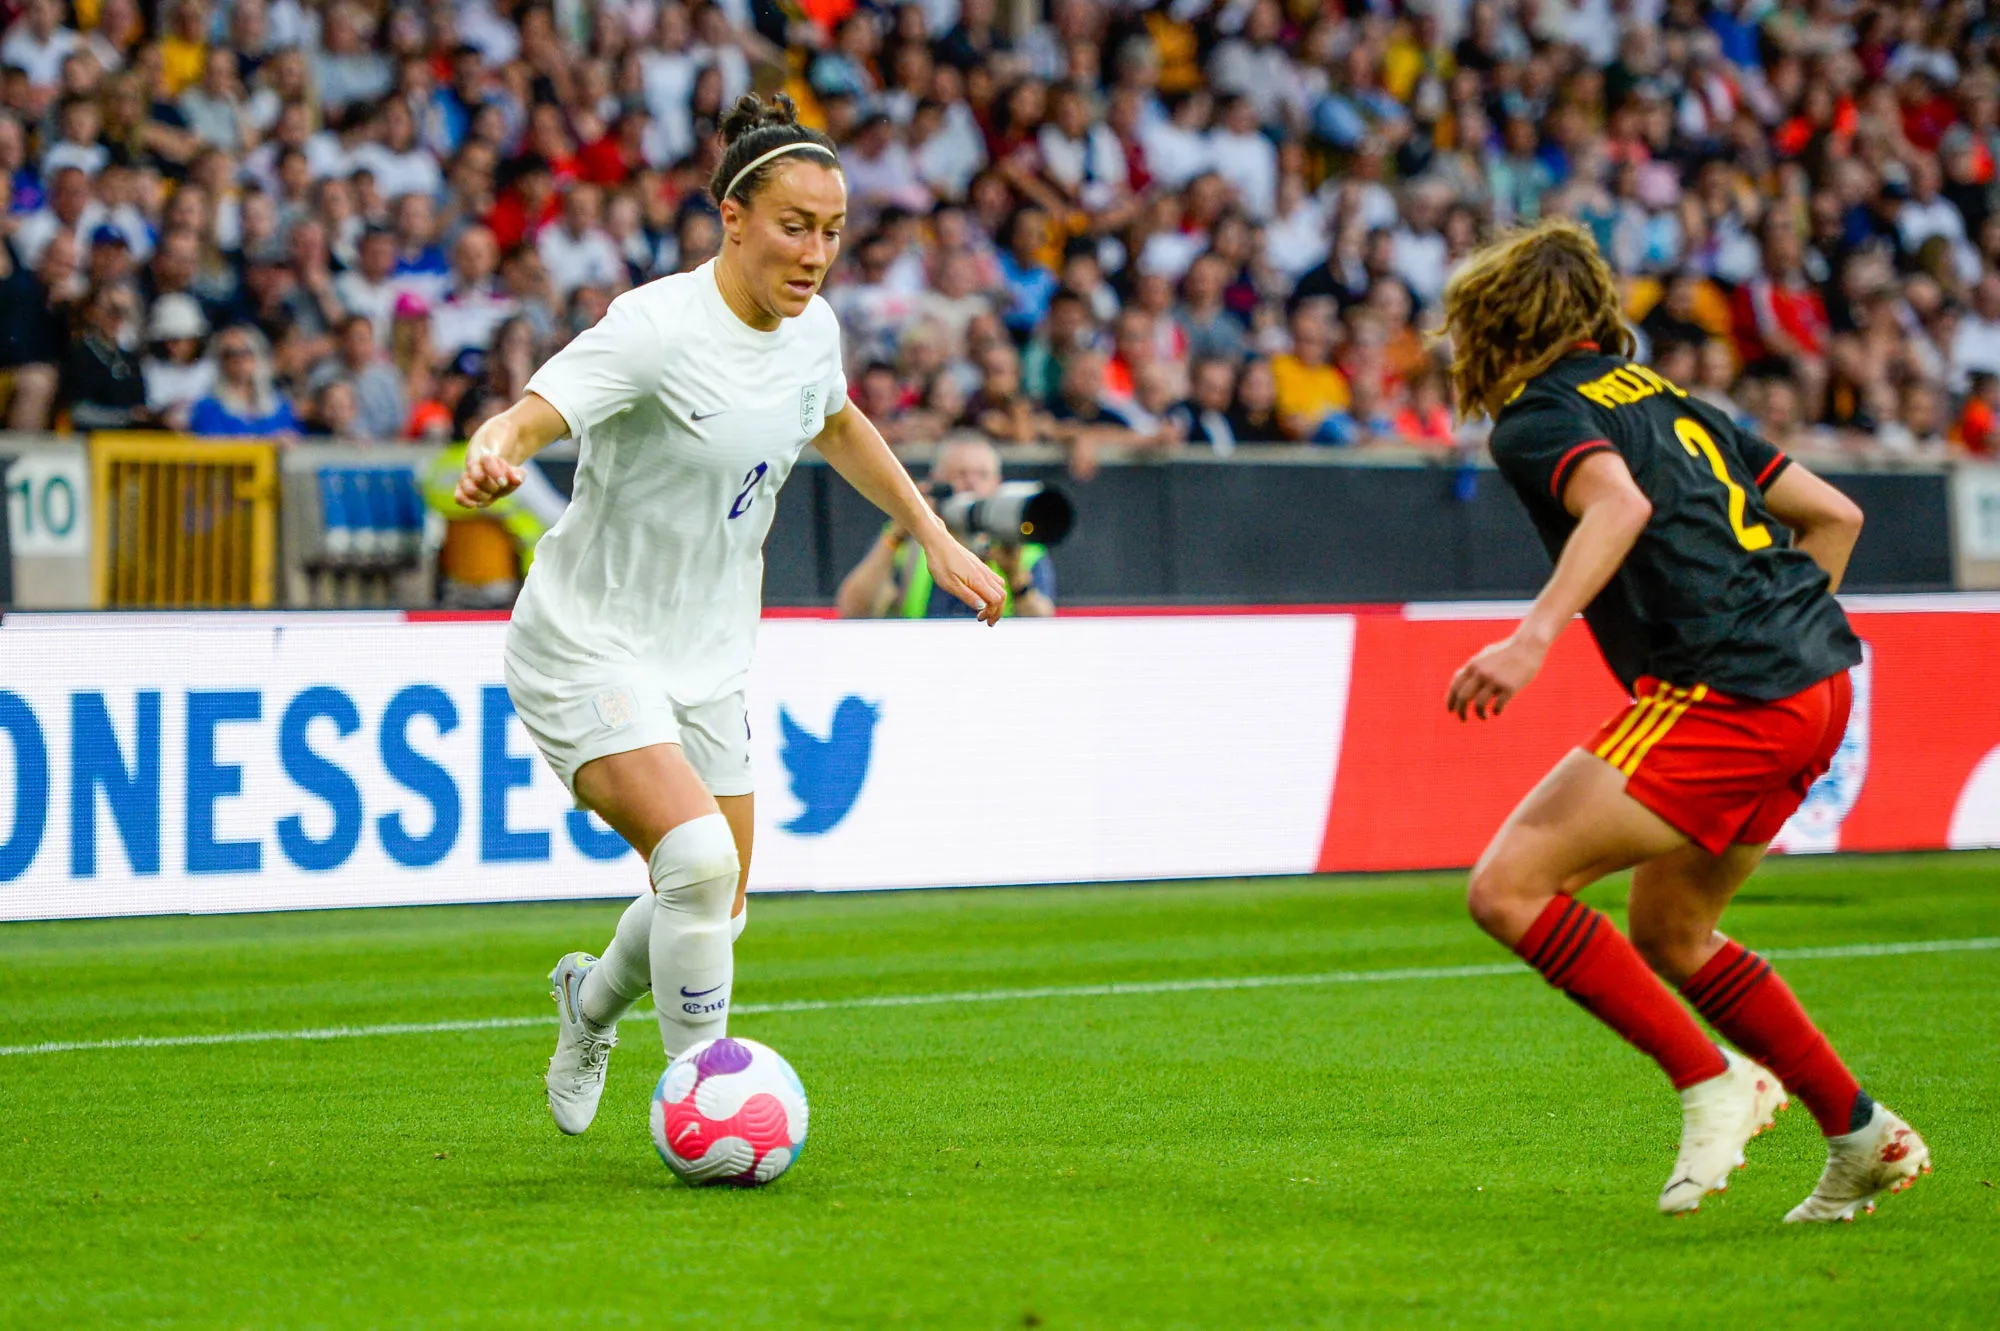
{"x": 1485, "y": 685}
{"x": 960, "y": 572}
{"x": 487, "y": 477}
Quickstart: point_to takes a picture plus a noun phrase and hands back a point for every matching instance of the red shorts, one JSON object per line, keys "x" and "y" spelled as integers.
{"x": 1725, "y": 771}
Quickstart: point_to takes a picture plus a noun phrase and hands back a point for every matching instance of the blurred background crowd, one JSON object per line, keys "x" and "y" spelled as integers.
{"x": 1097, "y": 223}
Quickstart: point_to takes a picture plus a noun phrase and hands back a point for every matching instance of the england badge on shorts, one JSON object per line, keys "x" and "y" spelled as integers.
{"x": 809, "y": 409}
{"x": 616, "y": 708}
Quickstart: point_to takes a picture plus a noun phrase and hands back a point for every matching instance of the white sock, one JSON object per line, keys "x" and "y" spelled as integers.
{"x": 738, "y": 922}
{"x": 625, "y": 971}
{"x": 694, "y": 884}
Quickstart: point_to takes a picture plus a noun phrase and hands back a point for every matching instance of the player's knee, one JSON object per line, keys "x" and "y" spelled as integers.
{"x": 694, "y": 868}
{"x": 1493, "y": 893}
{"x": 1672, "y": 953}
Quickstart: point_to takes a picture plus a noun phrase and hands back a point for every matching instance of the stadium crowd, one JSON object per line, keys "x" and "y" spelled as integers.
{"x": 1099, "y": 223}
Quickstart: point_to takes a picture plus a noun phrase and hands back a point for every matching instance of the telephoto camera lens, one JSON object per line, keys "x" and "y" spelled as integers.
{"x": 1016, "y": 513}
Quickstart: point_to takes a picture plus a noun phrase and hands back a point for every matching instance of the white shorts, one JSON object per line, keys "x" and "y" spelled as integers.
{"x": 618, "y": 708}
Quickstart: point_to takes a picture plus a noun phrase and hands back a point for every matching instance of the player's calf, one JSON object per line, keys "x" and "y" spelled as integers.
{"x": 1755, "y": 1010}
{"x": 694, "y": 870}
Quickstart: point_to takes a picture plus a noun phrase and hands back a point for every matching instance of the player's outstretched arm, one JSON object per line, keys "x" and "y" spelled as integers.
{"x": 854, "y": 447}
{"x": 500, "y": 448}
{"x": 1826, "y": 521}
{"x": 1611, "y": 512}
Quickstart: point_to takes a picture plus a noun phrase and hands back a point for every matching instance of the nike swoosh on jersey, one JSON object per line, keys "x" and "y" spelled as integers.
{"x": 703, "y": 415}
{"x": 689, "y": 993}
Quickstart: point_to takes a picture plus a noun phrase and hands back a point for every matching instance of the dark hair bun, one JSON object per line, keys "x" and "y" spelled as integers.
{"x": 752, "y": 113}
{"x": 754, "y": 127}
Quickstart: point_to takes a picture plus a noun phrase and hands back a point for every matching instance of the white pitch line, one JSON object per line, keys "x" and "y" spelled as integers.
{"x": 1114, "y": 990}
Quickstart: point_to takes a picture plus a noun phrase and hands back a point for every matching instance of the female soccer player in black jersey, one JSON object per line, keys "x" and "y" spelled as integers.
{"x": 1704, "y": 562}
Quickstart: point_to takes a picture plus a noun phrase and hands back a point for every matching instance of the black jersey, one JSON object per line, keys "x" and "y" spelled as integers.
{"x": 1714, "y": 592}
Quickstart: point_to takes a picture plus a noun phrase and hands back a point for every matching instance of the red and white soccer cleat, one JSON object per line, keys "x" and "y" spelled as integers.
{"x": 1885, "y": 1156}
{"x": 1718, "y": 1117}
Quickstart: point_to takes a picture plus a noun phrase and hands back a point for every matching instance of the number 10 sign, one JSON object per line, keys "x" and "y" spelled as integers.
{"x": 48, "y": 503}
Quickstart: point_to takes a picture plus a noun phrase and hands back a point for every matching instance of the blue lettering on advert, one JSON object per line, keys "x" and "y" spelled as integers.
{"x": 97, "y": 763}
{"x": 317, "y": 776}
{"x": 591, "y": 840}
{"x": 209, "y": 781}
{"x": 416, "y": 773}
{"x": 31, "y": 786}
{"x": 500, "y": 772}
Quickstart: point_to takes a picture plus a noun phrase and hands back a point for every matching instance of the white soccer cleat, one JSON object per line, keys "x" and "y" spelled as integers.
{"x": 1885, "y": 1156}
{"x": 575, "y": 1079}
{"x": 1718, "y": 1117}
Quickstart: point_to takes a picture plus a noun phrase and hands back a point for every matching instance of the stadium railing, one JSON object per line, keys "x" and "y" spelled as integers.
{"x": 155, "y": 520}
{"x": 184, "y": 523}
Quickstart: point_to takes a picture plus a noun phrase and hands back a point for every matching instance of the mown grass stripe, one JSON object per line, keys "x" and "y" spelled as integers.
{"x": 1116, "y": 989}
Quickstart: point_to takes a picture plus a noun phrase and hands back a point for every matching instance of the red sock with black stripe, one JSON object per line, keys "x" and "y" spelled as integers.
{"x": 1744, "y": 999}
{"x": 1581, "y": 953}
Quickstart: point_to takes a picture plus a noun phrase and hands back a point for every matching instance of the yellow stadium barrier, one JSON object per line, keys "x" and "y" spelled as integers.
{"x": 184, "y": 522}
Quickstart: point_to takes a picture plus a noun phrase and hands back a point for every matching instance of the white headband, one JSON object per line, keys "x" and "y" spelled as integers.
{"x": 779, "y": 151}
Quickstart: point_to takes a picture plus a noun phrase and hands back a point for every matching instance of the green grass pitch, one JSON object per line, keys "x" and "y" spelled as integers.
{"x": 1467, "y": 1149}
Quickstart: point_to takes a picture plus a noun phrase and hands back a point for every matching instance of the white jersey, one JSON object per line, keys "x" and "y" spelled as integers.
{"x": 688, "y": 422}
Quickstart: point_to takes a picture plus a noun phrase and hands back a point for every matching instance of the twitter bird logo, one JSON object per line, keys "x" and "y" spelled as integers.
{"x": 827, "y": 773}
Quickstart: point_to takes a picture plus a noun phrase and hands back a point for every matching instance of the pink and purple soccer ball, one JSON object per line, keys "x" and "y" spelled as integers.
{"x": 729, "y": 1111}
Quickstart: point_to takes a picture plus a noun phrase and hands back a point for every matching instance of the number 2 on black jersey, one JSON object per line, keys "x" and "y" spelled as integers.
{"x": 1753, "y": 536}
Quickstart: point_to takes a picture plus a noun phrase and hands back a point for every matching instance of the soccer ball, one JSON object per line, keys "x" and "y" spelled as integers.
{"x": 729, "y": 1111}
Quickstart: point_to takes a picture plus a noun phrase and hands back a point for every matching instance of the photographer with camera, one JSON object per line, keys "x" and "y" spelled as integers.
{"x": 996, "y": 520}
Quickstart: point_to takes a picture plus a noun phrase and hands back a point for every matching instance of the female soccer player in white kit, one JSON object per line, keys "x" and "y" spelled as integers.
{"x": 627, "y": 654}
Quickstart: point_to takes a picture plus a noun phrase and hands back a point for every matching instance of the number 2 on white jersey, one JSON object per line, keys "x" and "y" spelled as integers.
{"x": 1753, "y": 536}
{"x": 748, "y": 495}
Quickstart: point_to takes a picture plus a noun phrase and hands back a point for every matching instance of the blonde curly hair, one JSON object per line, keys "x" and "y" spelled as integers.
{"x": 1522, "y": 303}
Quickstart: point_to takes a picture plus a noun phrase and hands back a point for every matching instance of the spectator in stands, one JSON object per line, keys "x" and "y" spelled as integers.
{"x": 216, "y": 110}
{"x": 34, "y": 328}
{"x": 1000, "y": 409}
{"x": 1916, "y": 428}
{"x": 1133, "y": 348}
{"x": 68, "y": 212}
{"x": 1030, "y": 286}
{"x": 336, "y": 414}
{"x": 1067, "y": 330}
{"x": 1829, "y": 213}
{"x": 103, "y": 387}
{"x": 1979, "y": 422}
{"x": 575, "y": 249}
{"x": 1212, "y": 330}
{"x": 1425, "y": 419}
{"x": 1309, "y": 387}
{"x": 37, "y": 44}
{"x": 893, "y": 581}
{"x": 1204, "y": 417}
{"x": 177, "y": 375}
{"x": 1084, "y": 420}
{"x": 369, "y": 288}
{"x": 1254, "y": 419}
{"x": 244, "y": 400}
{"x": 955, "y": 299}
{"x": 378, "y": 408}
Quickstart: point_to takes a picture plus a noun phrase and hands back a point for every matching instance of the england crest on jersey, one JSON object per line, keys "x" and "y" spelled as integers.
{"x": 811, "y": 413}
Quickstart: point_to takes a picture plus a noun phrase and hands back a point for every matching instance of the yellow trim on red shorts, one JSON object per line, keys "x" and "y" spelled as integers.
{"x": 1639, "y": 709}
{"x": 1683, "y": 699}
